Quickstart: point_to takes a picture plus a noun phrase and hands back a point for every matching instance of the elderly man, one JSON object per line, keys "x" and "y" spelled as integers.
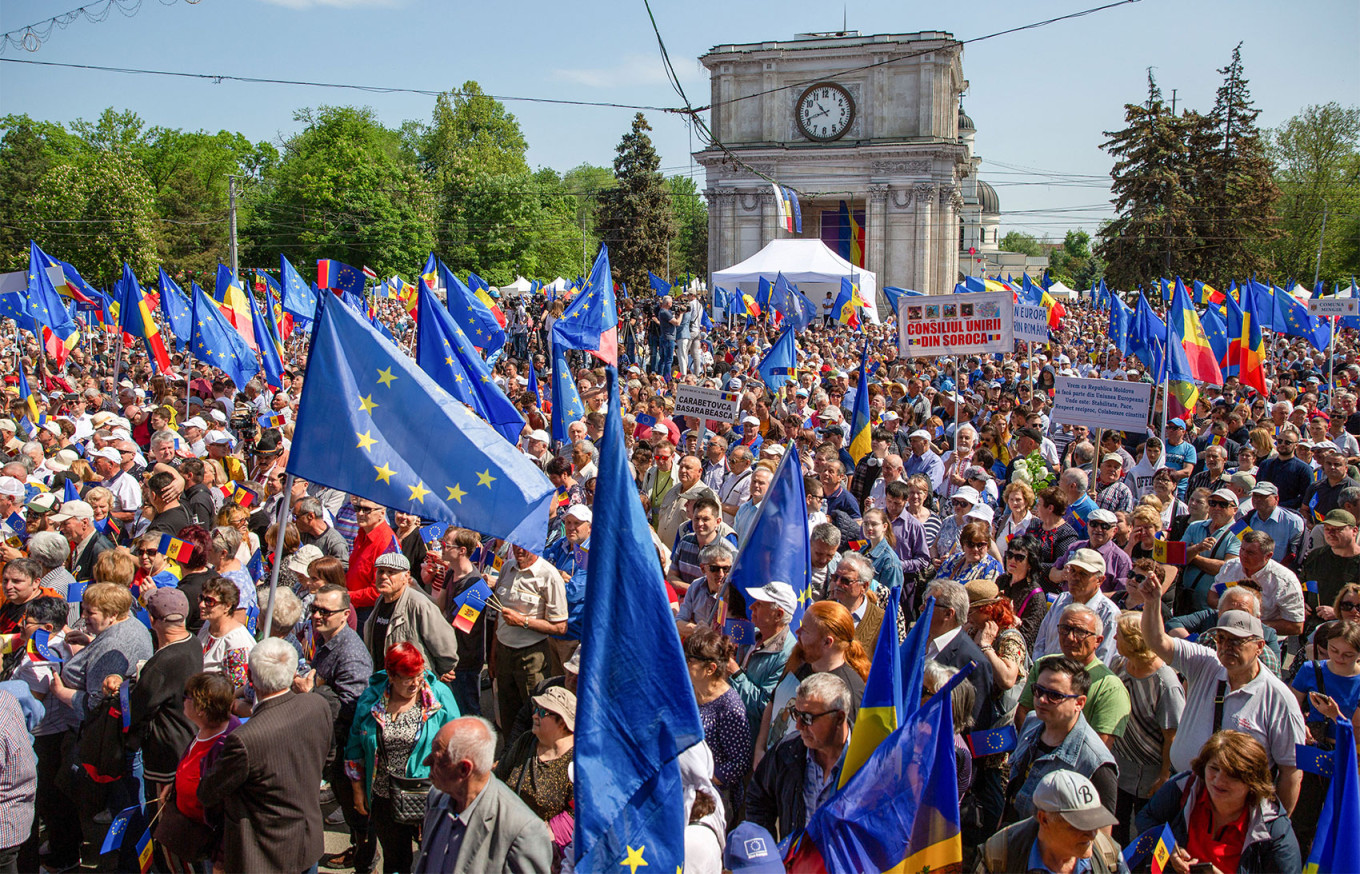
{"x": 758, "y": 668}
{"x": 534, "y": 606}
{"x": 1210, "y": 543}
{"x": 473, "y": 821}
{"x": 735, "y": 489}
{"x": 854, "y": 579}
{"x": 1058, "y": 737}
{"x": 1107, "y": 708}
{"x": 951, "y": 646}
{"x": 746, "y": 515}
{"x": 1226, "y": 687}
{"x": 1073, "y": 484}
{"x": 1100, "y": 528}
{"x": 265, "y": 779}
{"x": 1112, "y": 493}
{"x": 1065, "y": 833}
{"x": 923, "y": 459}
{"x": 1285, "y": 527}
{"x": 127, "y": 492}
{"x": 674, "y": 506}
{"x": 405, "y": 614}
{"x": 313, "y": 529}
{"x": 1204, "y": 624}
{"x": 375, "y": 538}
{"x": 76, "y": 521}
{"x": 1281, "y": 595}
{"x": 801, "y": 772}
{"x": 703, "y": 598}
{"x": 1215, "y": 475}
{"x": 1084, "y": 573}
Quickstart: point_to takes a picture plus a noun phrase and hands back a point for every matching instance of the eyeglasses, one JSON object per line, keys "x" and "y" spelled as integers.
{"x": 208, "y": 602}
{"x": 1222, "y": 505}
{"x": 1347, "y": 605}
{"x": 1228, "y": 641}
{"x": 1103, "y": 526}
{"x": 805, "y": 719}
{"x": 1016, "y": 556}
{"x": 322, "y": 611}
{"x": 849, "y": 581}
{"x": 1051, "y": 695}
{"x": 719, "y": 569}
{"x": 1075, "y": 631}
{"x": 364, "y": 511}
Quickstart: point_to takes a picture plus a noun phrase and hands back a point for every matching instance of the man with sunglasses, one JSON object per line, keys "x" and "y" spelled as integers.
{"x": 1059, "y": 739}
{"x": 1100, "y": 528}
{"x": 1210, "y": 543}
{"x": 1291, "y": 474}
{"x": 802, "y": 771}
{"x": 700, "y": 607}
{"x": 375, "y": 538}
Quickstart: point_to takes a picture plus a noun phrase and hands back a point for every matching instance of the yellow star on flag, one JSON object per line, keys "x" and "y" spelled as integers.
{"x": 635, "y": 860}
{"x": 385, "y": 473}
{"x": 366, "y": 404}
{"x": 365, "y": 440}
{"x": 385, "y": 377}
{"x": 456, "y": 493}
{"x": 418, "y": 492}
{"x": 485, "y": 478}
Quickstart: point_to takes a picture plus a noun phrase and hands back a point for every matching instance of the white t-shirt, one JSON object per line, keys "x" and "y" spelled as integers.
{"x": 215, "y": 649}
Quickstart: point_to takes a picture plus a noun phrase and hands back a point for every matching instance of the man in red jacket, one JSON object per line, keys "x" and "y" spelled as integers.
{"x": 375, "y": 538}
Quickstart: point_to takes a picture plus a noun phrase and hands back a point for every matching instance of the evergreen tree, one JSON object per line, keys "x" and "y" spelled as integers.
{"x": 689, "y": 254}
{"x": 1230, "y": 181}
{"x": 635, "y": 217}
{"x": 1153, "y": 234}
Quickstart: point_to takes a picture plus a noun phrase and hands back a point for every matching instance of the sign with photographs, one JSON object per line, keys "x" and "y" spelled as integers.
{"x": 956, "y": 324}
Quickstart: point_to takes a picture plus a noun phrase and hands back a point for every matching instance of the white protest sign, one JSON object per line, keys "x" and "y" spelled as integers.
{"x": 706, "y": 403}
{"x": 1031, "y": 323}
{"x": 1112, "y": 404}
{"x": 1334, "y": 306}
{"x": 955, "y": 324}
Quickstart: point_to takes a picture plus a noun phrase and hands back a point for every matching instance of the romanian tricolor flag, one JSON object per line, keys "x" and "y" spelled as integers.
{"x": 136, "y": 320}
{"x": 1251, "y": 353}
{"x": 752, "y": 308}
{"x": 237, "y": 494}
{"x": 481, "y": 290}
{"x": 1185, "y": 322}
{"x": 860, "y": 426}
{"x": 786, "y": 205}
{"x": 25, "y": 393}
{"x": 176, "y": 550}
{"x": 847, "y": 304}
{"x": 230, "y": 296}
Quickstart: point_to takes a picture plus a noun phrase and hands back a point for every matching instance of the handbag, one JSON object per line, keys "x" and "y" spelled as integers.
{"x": 408, "y": 798}
{"x": 189, "y": 839}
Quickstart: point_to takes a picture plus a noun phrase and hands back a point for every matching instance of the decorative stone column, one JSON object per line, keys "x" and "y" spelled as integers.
{"x": 876, "y": 229}
{"x": 924, "y": 255}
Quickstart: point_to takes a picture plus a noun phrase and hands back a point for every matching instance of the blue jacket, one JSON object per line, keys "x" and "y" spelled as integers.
{"x": 361, "y": 753}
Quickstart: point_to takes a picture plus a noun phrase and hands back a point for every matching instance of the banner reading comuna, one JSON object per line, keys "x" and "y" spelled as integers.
{"x": 956, "y": 324}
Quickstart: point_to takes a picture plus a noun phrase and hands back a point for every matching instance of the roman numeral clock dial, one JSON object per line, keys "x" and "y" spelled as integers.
{"x": 824, "y": 112}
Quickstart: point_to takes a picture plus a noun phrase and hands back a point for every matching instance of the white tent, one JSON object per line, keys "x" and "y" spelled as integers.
{"x": 809, "y": 264}
{"x": 519, "y": 286}
{"x": 557, "y": 284}
{"x": 1057, "y": 289}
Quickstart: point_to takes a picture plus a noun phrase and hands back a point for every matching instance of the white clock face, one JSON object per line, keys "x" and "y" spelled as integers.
{"x": 825, "y": 112}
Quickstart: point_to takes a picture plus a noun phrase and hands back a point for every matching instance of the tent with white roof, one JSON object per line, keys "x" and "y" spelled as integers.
{"x": 809, "y": 264}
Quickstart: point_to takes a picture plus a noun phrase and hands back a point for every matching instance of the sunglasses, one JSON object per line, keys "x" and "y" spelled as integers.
{"x": 364, "y": 511}
{"x": 849, "y": 581}
{"x": 1016, "y": 556}
{"x": 719, "y": 569}
{"x": 322, "y": 611}
{"x": 1051, "y": 695}
{"x": 1347, "y": 605}
{"x": 805, "y": 719}
{"x": 208, "y": 602}
{"x": 1222, "y": 505}
{"x": 1103, "y": 526}
{"x": 143, "y": 553}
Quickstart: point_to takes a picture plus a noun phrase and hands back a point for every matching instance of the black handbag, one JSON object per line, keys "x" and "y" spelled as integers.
{"x": 408, "y": 798}
{"x": 189, "y": 839}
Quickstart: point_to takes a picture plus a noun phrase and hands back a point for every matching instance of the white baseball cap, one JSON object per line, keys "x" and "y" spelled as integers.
{"x": 777, "y": 593}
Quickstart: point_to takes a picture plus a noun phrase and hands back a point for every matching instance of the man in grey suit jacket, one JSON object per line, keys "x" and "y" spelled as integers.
{"x": 474, "y": 822}
{"x": 266, "y": 779}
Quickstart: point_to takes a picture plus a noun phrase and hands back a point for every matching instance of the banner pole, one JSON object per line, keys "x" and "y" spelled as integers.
{"x": 284, "y": 507}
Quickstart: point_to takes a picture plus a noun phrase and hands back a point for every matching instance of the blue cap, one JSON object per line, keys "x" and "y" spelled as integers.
{"x": 752, "y": 848}
{"x": 1179, "y": 423}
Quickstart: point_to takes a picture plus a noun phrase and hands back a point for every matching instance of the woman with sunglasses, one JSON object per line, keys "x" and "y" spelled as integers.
{"x": 709, "y": 654}
{"x": 1326, "y": 686}
{"x": 974, "y": 560}
{"x": 1345, "y": 607}
{"x": 226, "y": 642}
{"x": 1022, "y": 584}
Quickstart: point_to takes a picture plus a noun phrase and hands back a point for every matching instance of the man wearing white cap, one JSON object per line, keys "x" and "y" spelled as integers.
{"x": 12, "y": 493}
{"x": 126, "y": 490}
{"x": 1066, "y": 832}
{"x": 760, "y": 666}
{"x": 536, "y": 447}
{"x": 923, "y": 459}
{"x": 1210, "y": 543}
{"x": 1084, "y": 573}
{"x": 76, "y": 521}
{"x": 194, "y": 429}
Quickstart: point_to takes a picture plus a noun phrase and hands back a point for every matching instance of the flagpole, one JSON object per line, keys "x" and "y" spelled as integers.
{"x": 284, "y": 507}
{"x": 1331, "y": 368}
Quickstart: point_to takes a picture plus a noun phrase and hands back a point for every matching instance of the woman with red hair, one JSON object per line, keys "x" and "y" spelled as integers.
{"x": 395, "y": 722}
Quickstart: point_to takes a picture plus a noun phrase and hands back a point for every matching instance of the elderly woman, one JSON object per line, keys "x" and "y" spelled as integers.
{"x": 1164, "y": 487}
{"x": 1055, "y": 534}
{"x": 934, "y": 676}
{"x": 537, "y": 766}
{"x": 961, "y": 503}
{"x": 1019, "y": 501}
{"x": 918, "y": 497}
{"x": 1224, "y": 813}
{"x": 226, "y": 642}
{"x": 708, "y": 654}
{"x": 973, "y": 561}
{"x": 389, "y": 747}
{"x": 223, "y": 555}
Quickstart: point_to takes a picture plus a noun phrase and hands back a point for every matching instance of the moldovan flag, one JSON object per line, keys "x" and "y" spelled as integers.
{"x": 136, "y": 320}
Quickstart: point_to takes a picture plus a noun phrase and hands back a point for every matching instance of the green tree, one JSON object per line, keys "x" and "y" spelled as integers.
{"x": 345, "y": 188}
{"x": 689, "y": 254}
{"x": 1316, "y": 155}
{"x": 1026, "y": 244}
{"x": 1153, "y": 233}
{"x": 584, "y": 184}
{"x": 635, "y": 217}
{"x": 1074, "y": 263}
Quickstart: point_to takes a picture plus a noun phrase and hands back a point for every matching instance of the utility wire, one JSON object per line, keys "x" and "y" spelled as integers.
{"x": 34, "y": 35}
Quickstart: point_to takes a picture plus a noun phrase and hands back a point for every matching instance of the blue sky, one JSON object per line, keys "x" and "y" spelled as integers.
{"x": 1041, "y": 98}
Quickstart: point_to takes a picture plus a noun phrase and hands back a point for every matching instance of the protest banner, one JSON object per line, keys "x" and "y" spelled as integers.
{"x": 965, "y": 324}
{"x": 1334, "y": 306}
{"x": 1112, "y": 404}
{"x": 1031, "y": 323}
{"x": 706, "y": 403}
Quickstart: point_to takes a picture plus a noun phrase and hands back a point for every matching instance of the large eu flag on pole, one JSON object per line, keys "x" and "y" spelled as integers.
{"x": 591, "y": 320}
{"x": 214, "y": 341}
{"x": 630, "y": 809}
{"x": 1336, "y": 845}
{"x": 566, "y": 399}
{"x": 777, "y": 367}
{"x": 777, "y": 549}
{"x": 377, "y": 426}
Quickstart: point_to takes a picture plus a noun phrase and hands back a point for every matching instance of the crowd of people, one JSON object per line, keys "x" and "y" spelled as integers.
{"x": 143, "y": 518}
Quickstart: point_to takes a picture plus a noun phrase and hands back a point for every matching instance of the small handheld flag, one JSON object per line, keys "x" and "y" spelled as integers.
{"x": 1161, "y": 854}
{"x": 38, "y": 646}
{"x": 470, "y": 605}
{"x": 277, "y": 420}
{"x": 175, "y": 549}
{"x": 113, "y": 839}
{"x": 1169, "y": 552}
{"x": 990, "y": 743}
{"x": 146, "y": 851}
{"x": 1315, "y": 760}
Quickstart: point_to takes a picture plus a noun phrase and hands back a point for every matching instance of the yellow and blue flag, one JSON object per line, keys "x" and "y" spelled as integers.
{"x": 777, "y": 547}
{"x": 214, "y": 341}
{"x": 861, "y": 429}
{"x": 176, "y": 308}
{"x": 1336, "y": 844}
{"x": 445, "y": 353}
{"x": 630, "y": 808}
{"x": 229, "y": 293}
{"x": 25, "y": 393}
{"x": 367, "y": 417}
{"x": 298, "y": 297}
{"x": 136, "y": 320}
{"x": 271, "y": 352}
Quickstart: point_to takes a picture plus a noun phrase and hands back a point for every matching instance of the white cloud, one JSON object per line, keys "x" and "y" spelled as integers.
{"x": 632, "y": 69}
{"x": 334, "y": 4}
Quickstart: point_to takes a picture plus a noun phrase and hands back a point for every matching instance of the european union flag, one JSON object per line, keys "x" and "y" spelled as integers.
{"x": 776, "y": 548}
{"x": 43, "y": 304}
{"x": 214, "y": 341}
{"x": 270, "y": 352}
{"x": 591, "y": 321}
{"x": 789, "y": 303}
{"x": 533, "y": 386}
{"x": 339, "y": 277}
{"x": 447, "y": 355}
{"x": 298, "y": 297}
{"x": 1147, "y": 338}
{"x": 629, "y": 801}
{"x": 777, "y": 367}
{"x": 377, "y": 426}
{"x": 996, "y": 740}
{"x": 176, "y": 308}
{"x": 1216, "y": 331}
{"x": 566, "y": 400}
{"x": 122, "y": 822}
{"x": 69, "y": 491}
{"x": 473, "y": 316}
{"x": 1336, "y": 844}
{"x": 763, "y": 294}
{"x": 1121, "y": 318}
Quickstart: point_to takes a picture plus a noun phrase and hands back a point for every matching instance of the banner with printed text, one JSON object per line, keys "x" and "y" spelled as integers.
{"x": 972, "y": 324}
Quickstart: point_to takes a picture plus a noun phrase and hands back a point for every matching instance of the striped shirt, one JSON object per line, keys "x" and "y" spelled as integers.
{"x": 18, "y": 774}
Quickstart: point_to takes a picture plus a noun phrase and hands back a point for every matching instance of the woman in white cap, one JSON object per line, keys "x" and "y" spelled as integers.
{"x": 961, "y": 502}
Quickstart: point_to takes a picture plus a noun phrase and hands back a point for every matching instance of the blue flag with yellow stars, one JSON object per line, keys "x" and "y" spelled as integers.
{"x": 591, "y": 320}
{"x": 473, "y": 316}
{"x": 216, "y": 342}
{"x": 377, "y": 426}
{"x": 447, "y": 355}
{"x": 776, "y": 547}
{"x": 533, "y": 386}
{"x": 566, "y": 400}
{"x": 271, "y": 355}
{"x": 630, "y": 809}
{"x": 298, "y": 297}
{"x": 176, "y": 308}
{"x": 43, "y": 304}
{"x": 779, "y": 363}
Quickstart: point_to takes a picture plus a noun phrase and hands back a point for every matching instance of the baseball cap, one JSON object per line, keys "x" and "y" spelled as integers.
{"x": 975, "y": 472}
{"x": 63, "y": 459}
{"x": 750, "y": 420}
{"x": 573, "y": 664}
{"x": 43, "y": 504}
{"x": 218, "y": 438}
{"x": 752, "y": 850}
{"x": 1266, "y": 489}
{"x": 777, "y": 593}
{"x": 196, "y": 422}
{"x": 919, "y": 432}
{"x": 559, "y": 700}
{"x": 579, "y": 512}
{"x": 11, "y": 487}
{"x": 1088, "y": 560}
{"x": 108, "y": 453}
{"x": 1226, "y": 495}
{"x": 1031, "y": 433}
{"x": 1112, "y": 456}
{"x": 1100, "y": 514}
{"x": 1240, "y": 623}
{"x": 1243, "y": 481}
{"x": 890, "y": 416}
{"x": 8, "y": 425}
{"x": 299, "y": 561}
{"x": 540, "y": 435}
{"x": 1339, "y": 519}
{"x": 392, "y": 561}
{"x": 1074, "y": 798}
{"x": 166, "y": 602}
{"x": 72, "y": 510}
{"x": 1176, "y": 423}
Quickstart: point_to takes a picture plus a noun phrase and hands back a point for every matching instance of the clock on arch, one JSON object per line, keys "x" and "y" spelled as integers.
{"x": 824, "y": 112}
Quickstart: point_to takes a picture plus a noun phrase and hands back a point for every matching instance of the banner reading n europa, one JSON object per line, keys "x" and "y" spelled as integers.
{"x": 956, "y": 324}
